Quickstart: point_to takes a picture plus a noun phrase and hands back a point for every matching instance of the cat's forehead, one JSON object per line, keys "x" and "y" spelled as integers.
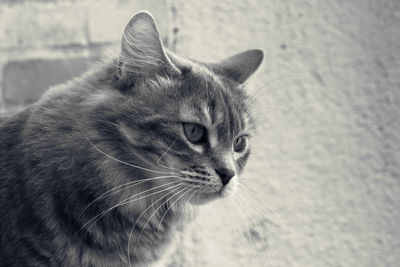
{"x": 214, "y": 103}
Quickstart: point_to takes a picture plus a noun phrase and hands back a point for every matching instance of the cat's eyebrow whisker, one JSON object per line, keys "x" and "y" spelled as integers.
{"x": 262, "y": 90}
{"x": 125, "y": 186}
{"x": 122, "y": 162}
{"x": 130, "y": 200}
{"x": 140, "y": 216}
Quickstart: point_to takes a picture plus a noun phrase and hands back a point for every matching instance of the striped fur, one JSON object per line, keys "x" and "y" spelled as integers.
{"x": 70, "y": 161}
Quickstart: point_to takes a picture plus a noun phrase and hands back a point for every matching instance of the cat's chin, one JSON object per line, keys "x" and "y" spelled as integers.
{"x": 227, "y": 192}
{"x": 205, "y": 198}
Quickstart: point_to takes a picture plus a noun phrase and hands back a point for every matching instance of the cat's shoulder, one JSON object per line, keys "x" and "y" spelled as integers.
{"x": 12, "y": 125}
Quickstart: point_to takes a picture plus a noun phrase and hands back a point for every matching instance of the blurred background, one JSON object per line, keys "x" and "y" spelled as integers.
{"x": 322, "y": 187}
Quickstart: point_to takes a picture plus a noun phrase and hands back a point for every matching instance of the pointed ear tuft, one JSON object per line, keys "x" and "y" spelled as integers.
{"x": 240, "y": 66}
{"x": 142, "y": 52}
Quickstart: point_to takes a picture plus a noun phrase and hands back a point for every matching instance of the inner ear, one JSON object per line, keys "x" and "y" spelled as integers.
{"x": 142, "y": 52}
{"x": 240, "y": 66}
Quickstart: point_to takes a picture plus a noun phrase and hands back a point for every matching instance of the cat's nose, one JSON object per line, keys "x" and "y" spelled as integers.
{"x": 225, "y": 174}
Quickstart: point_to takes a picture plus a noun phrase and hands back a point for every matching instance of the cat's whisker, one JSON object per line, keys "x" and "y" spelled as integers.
{"x": 138, "y": 155}
{"x": 165, "y": 213}
{"x": 113, "y": 158}
{"x": 251, "y": 218}
{"x": 168, "y": 199}
{"x": 126, "y": 202}
{"x": 254, "y": 223}
{"x": 145, "y": 160}
{"x": 125, "y": 186}
{"x": 261, "y": 200}
{"x": 123, "y": 162}
{"x": 188, "y": 201}
{"x": 245, "y": 237}
{"x": 166, "y": 151}
{"x": 276, "y": 219}
{"x": 255, "y": 205}
{"x": 129, "y": 200}
{"x": 242, "y": 223}
{"x": 140, "y": 216}
{"x": 234, "y": 218}
{"x": 243, "y": 215}
{"x": 253, "y": 181}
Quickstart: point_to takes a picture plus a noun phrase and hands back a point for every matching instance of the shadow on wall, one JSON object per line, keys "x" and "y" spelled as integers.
{"x": 24, "y": 82}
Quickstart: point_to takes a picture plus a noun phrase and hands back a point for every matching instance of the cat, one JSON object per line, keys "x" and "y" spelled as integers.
{"x": 103, "y": 169}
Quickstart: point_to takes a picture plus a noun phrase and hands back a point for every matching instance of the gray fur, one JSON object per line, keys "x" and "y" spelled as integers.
{"x": 111, "y": 128}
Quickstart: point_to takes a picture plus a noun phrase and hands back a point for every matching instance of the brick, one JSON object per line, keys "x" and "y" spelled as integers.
{"x": 24, "y": 82}
{"x": 106, "y": 21}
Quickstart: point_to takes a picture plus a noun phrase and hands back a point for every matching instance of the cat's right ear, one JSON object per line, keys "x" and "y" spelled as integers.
{"x": 142, "y": 53}
{"x": 240, "y": 66}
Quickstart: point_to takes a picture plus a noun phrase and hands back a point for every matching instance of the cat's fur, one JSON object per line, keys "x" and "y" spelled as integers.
{"x": 120, "y": 123}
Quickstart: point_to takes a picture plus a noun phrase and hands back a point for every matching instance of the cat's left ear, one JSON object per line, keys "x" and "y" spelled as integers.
{"x": 240, "y": 66}
{"x": 142, "y": 53}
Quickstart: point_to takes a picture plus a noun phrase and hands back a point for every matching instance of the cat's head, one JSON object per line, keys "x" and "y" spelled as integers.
{"x": 183, "y": 118}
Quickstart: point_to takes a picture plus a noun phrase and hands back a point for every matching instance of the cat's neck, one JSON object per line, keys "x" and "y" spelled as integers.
{"x": 154, "y": 226}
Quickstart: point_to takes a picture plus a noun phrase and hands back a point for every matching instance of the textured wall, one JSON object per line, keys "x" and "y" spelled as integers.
{"x": 327, "y": 153}
{"x": 322, "y": 187}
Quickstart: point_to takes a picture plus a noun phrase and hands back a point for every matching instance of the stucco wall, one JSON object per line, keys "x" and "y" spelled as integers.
{"x": 322, "y": 187}
{"x": 326, "y": 157}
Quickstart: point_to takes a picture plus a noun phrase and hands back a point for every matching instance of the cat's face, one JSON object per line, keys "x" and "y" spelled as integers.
{"x": 212, "y": 136}
{"x": 187, "y": 119}
{"x": 203, "y": 130}
{"x": 195, "y": 126}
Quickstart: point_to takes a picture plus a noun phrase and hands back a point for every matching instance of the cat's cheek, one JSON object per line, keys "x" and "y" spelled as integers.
{"x": 171, "y": 162}
{"x": 230, "y": 189}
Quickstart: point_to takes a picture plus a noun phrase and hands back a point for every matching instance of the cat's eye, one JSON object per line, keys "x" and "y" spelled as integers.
{"x": 195, "y": 133}
{"x": 240, "y": 143}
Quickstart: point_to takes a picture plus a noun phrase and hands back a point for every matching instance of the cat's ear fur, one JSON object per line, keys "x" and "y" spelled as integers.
{"x": 240, "y": 66}
{"x": 142, "y": 52}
